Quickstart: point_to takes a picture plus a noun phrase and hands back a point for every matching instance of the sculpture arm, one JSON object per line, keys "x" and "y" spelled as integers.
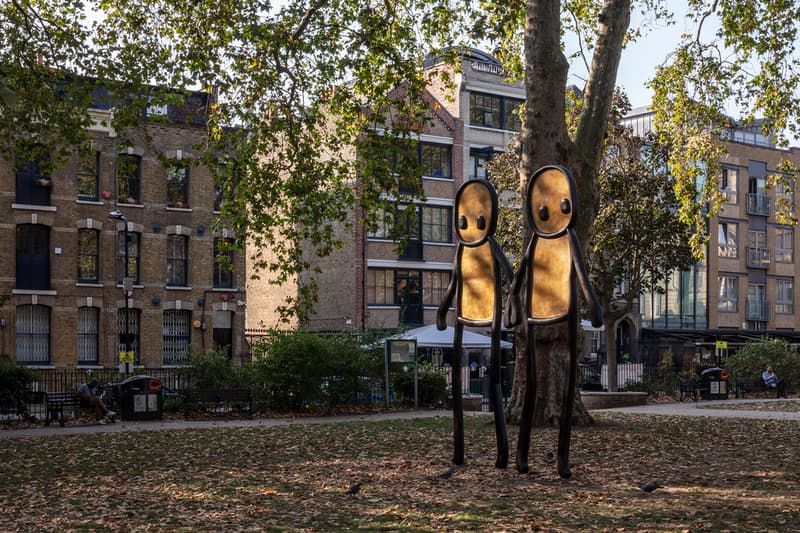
{"x": 583, "y": 278}
{"x": 447, "y": 300}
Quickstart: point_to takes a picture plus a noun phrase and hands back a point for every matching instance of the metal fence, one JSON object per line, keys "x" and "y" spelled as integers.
{"x": 65, "y": 380}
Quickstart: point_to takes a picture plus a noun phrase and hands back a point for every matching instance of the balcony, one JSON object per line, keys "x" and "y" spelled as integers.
{"x": 759, "y": 204}
{"x": 758, "y": 310}
{"x": 758, "y": 257}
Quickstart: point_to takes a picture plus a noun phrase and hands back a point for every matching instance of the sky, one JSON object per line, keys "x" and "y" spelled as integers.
{"x": 641, "y": 58}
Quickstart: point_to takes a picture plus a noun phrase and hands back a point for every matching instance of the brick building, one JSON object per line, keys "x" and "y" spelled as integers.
{"x": 65, "y": 306}
{"x": 367, "y": 284}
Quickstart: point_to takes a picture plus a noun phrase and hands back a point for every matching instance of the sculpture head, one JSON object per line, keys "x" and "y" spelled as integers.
{"x": 551, "y": 201}
{"x": 475, "y": 212}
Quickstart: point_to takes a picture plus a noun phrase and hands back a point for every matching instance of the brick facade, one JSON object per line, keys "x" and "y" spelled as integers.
{"x": 148, "y": 217}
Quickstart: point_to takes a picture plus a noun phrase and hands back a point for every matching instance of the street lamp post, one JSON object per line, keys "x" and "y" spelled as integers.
{"x": 127, "y": 289}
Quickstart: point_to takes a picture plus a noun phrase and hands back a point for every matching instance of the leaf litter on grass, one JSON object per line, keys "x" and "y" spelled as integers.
{"x": 719, "y": 474}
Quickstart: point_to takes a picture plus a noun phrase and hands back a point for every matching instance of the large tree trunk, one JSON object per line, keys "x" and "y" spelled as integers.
{"x": 545, "y": 140}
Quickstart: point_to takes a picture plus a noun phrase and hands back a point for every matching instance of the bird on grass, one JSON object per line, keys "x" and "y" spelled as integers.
{"x": 650, "y": 487}
{"x": 354, "y": 488}
{"x": 446, "y": 474}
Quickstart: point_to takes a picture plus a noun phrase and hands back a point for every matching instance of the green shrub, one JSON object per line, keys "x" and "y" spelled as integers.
{"x": 212, "y": 370}
{"x": 752, "y": 359}
{"x": 299, "y": 368}
{"x": 15, "y": 379}
{"x": 432, "y": 386}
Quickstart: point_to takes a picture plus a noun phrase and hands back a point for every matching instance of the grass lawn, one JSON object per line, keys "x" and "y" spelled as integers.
{"x": 718, "y": 475}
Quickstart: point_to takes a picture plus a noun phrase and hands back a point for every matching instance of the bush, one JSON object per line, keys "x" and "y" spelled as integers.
{"x": 15, "y": 379}
{"x": 752, "y": 359}
{"x": 212, "y": 370}
{"x": 432, "y": 386}
{"x": 298, "y": 369}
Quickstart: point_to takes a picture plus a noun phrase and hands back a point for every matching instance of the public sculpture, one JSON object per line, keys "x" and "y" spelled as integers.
{"x": 550, "y": 266}
{"x": 476, "y": 281}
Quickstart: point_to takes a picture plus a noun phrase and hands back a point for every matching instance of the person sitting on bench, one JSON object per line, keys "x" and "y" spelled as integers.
{"x": 87, "y": 392}
{"x": 772, "y": 382}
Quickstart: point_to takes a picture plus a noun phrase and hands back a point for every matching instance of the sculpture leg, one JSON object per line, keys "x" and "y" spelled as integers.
{"x": 497, "y": 402}
{"x": 565, "y": 423}
{"x": 525, "y": 423}
{"x": 458, "y": 404}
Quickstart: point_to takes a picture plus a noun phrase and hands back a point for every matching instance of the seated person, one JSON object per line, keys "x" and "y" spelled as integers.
{"x": 87, "y": 392}
{"x": 772, "y": 382}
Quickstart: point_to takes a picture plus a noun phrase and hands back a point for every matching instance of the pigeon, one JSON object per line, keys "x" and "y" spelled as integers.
{"x": 650, "y": 487}
{"x": 446, "y": 474}
{"x": 354, "y": 488}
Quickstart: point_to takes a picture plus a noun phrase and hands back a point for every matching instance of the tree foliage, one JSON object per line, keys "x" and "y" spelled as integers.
{"x": 296, "y": 91}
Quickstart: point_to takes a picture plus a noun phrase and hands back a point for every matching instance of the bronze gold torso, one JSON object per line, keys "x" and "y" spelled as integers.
{"x": 478, "y": 284}
{"x": 549, "y": 276}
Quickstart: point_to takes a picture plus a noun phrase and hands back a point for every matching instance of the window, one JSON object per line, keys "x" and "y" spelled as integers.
{"x": 493, "y": 111}
{"x": 435, "y": 159}
{"x": 380, "y": 287}
{"x": 784, "y": 191}
{"x": 784, "y": 296}
{"x": 129, "y": 173}
{"x": 727, "y": 239}
{"x": 388, "y": 287}
{"x": 511, "y": 117}
{"x": 434, "y": 285}
{"x": 88, "y": 177}
{"x": 178, "y": 186}
{"x": 477, "y": 158}
{"x": 728, "y": 294}
{"x": 727, "y": 184}
{"x": 484, "y": 110}
{"x": 436, "y": 224}
{"x": 132, "y": 270}
{"x": 177, "y": 260}
{"x": 88, "y": 240}
{"x": 223, "y": 263}
{"x": 177, "y": 334}
{"x": 33, "y": 257}
{"x": 784, "y": 245}
{"x": 88, "y": 335}
{"x": 33, "y": 334}
{"x": 33, "y": 182}
{"x": 219, "y": 196}
{"x": 129, "y": 331}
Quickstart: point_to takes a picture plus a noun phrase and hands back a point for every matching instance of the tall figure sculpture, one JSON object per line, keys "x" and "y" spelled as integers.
{"x": 550, "y": 266}
{"x": 476, "y": 279}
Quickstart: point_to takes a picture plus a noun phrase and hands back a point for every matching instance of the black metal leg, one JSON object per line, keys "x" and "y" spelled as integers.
{"x": 524, "y": 439}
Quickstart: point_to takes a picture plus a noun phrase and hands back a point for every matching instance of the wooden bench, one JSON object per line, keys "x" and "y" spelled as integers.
{"x": 58, "y": 402}
{"x": 744, "y": 385}
{"x": 216, "y": 398}
{"x": 690, "y": 387}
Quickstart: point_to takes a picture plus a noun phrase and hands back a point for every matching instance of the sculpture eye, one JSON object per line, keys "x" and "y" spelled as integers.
{"x": 565, "y": 206}
{"x": 481, "y": 222}
{"x": 544, "y": 213}
{"x": 462, "y": 222}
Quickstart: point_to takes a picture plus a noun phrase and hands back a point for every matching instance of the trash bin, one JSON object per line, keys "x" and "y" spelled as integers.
{"x": 714, "y": 384}
{"x": 141, "y": 398}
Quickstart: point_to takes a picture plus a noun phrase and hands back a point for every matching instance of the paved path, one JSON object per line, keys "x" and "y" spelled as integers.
{"x": 706, "y": 408}
{"x": 701, "y": 408}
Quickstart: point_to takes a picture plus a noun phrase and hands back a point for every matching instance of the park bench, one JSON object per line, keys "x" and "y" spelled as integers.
{"x": 744, "y": 385}
{"x": 690, "y": 387}
{"x": 59, "y": 402}
{"x": 216, "y": 398}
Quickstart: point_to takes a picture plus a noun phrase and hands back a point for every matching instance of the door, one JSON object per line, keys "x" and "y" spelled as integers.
{"x": 33, "y": 257}
{"x": 223, "y": 332}
{"x": 409, "y": 297}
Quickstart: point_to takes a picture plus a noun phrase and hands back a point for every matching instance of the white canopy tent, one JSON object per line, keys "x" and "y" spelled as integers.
{"x": 430, "y": 337}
